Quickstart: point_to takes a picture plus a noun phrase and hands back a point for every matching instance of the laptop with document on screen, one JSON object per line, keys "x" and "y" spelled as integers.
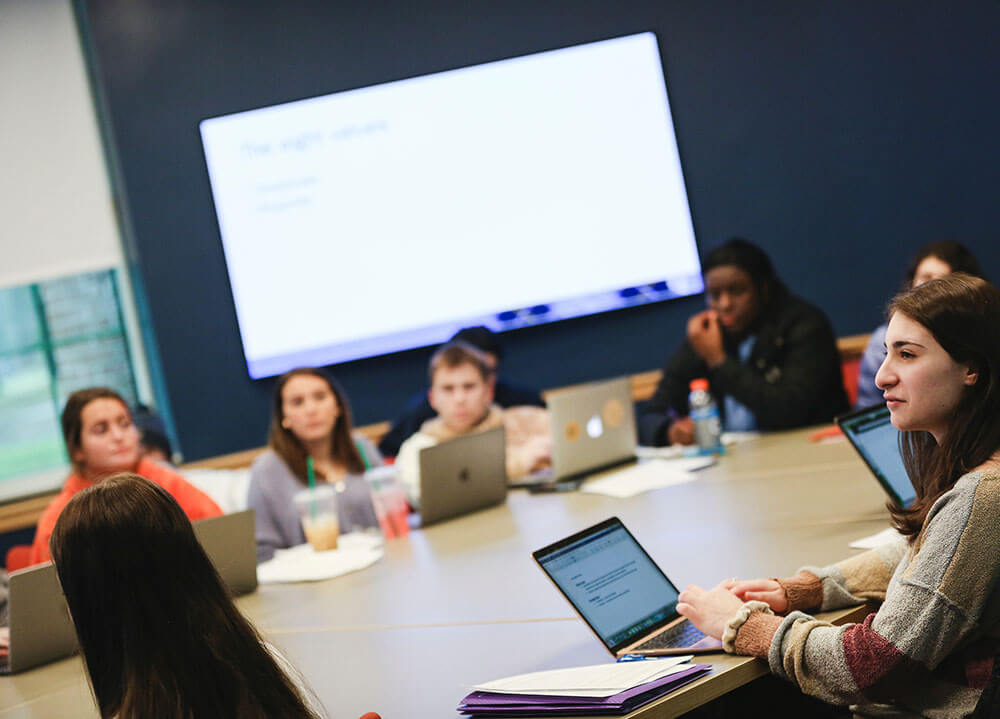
{"x": 593, "y": 428}
{"x": 871, "y": 433}
{"x": 620, "y": 592}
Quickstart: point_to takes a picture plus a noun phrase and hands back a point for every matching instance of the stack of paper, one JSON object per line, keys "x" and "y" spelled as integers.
{"x": 605, "y": 689}
{"x": 887, "y": 535}
{"x": 646, "y": 476}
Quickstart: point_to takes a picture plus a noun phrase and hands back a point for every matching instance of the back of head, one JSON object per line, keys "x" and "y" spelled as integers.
{"x": 152, "y": 431}
{"x": 956, "y": 255}
{"x": 742, "y": 253}
{"x": 454, "y": 354}
{"x": 482, "y": 338}
{"x": 962, "y": 312}
{"x": 157, "y": 629}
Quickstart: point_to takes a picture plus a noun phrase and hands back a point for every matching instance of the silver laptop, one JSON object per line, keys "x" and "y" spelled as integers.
{"x": 593, "y": 428}
{"x": 618, "y": 590}
{"x": 871, "y": 433}
{"x": 40, "y": 627}
{"x": 462, "y": 475}
{"x": 230, "y": 543}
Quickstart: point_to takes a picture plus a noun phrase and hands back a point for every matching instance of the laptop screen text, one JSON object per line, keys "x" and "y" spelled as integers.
{"x": 613, "y": 584}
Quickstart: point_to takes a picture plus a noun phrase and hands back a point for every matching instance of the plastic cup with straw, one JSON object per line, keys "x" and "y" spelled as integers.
{"x": 317, "y": 507}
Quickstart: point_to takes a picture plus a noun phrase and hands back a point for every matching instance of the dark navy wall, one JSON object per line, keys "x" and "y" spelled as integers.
{"x": 838, "y": 136}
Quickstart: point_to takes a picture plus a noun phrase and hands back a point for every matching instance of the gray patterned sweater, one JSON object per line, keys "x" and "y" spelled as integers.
{"x": 928, "y": 651}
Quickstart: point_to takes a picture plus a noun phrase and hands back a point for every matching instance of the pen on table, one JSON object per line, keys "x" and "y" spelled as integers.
{"x": 640, "y": 657}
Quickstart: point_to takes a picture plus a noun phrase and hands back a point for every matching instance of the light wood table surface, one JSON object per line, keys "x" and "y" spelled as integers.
{"x": 462, "y": 602}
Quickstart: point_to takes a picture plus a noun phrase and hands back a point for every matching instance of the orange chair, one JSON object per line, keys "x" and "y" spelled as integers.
{"x": 849, "y": 370}
{"x": 18, "y": 557}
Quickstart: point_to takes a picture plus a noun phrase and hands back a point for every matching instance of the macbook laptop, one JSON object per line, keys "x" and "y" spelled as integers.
{"x": 625, "y": 599}
{"x": 462, "y": 475}
{"x": 593, "y": 428}
{"x": 230, "y": 543}
{"x": 39, "y": 623}
{"x": 871, "y": 433}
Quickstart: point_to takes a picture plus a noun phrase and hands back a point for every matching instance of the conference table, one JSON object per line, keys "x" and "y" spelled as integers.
{"x": 462, "y": 602}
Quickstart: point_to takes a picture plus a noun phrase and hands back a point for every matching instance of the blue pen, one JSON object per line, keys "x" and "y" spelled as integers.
{"x": 634, "y": 658}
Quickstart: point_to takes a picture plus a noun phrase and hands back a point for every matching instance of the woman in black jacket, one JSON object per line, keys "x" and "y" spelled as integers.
{"x": 770, "y": 358}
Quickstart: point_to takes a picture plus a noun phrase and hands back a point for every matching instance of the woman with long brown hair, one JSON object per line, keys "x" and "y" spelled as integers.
{"x": 929, "y": 649}
{"x": 101, "y": 440}
{"x": 157, "y": 629}
{"x": 310, "y": 419}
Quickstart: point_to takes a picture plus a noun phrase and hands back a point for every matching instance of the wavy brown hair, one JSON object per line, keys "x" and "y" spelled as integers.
{"x": 287, "y": 446}
{"x": 962, "y": 312}
{"x": 72, "y": 416}
{"x": 158, "y": 630}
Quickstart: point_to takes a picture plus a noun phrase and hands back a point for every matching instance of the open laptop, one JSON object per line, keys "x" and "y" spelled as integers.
{"x": 463, "y": 475}
{"x": 625, "y": 599}
{"x": 40, "y": 627}
{"x": 871, "y": 433}
{"x": 230, "y": 543}
{"x": 39, "y": 623}
{"x": 593, "y": 428}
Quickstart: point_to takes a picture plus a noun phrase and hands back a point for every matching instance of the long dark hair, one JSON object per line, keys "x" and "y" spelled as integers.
{"x": 963, "y": 314}
{"x": 158, "y": 631}
{"x": 287, "y": 446}
{"x": 72, "y": 416}
{"x": 954, "y": 254}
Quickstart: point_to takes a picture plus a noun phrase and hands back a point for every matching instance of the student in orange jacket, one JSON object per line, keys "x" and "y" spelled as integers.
{"x": 102, "y": 440}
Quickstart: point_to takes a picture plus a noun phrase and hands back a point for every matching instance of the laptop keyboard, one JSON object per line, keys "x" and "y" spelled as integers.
{"x": 682, "y": 635}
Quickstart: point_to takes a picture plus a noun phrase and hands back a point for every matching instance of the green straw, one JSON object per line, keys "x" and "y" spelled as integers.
{"x": 364, "y": 457}
{"x": 311, "y": 476}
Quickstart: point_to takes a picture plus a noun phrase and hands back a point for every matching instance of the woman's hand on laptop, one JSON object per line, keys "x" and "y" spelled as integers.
{"x": 768, "y": 591}
{"x": 709, "y": 609}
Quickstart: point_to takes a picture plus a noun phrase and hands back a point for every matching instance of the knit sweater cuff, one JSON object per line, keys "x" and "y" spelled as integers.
{"x": 804, "y": 591}
{"x": 735, "y": 625}
{"x": 753, "y": 637}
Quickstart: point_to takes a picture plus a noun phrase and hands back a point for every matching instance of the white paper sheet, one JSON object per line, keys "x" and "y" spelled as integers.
{"x": 876, "y": 540}
{"x": 303, "y": 564}
{"x": 600, "y": 680}
{"x": 646, "y": 476}
{"x": 680, "y": 450}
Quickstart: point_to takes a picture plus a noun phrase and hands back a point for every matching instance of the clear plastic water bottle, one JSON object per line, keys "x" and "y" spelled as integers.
{"x": 705, "y": 415}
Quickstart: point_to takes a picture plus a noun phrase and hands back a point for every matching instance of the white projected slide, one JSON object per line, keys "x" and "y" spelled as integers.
{"x": 511, "y": 193}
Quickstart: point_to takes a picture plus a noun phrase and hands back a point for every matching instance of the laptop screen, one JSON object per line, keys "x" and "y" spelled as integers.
{"x": 611, "y": 581}
{"x": 877, "y": 441}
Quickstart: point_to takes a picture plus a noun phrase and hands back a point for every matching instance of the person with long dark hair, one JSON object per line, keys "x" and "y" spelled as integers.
{"x": 929, "y": 649}
{"x": 158, "y": 631}
{"x": 770, "y": 358}
{"x": 310, "y": 418}
{"x": 101, "y": 440}
{"x": 933, "y": 260}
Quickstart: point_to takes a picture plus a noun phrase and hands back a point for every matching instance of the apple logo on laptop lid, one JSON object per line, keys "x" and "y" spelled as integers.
{"x": 595, "y": 427}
